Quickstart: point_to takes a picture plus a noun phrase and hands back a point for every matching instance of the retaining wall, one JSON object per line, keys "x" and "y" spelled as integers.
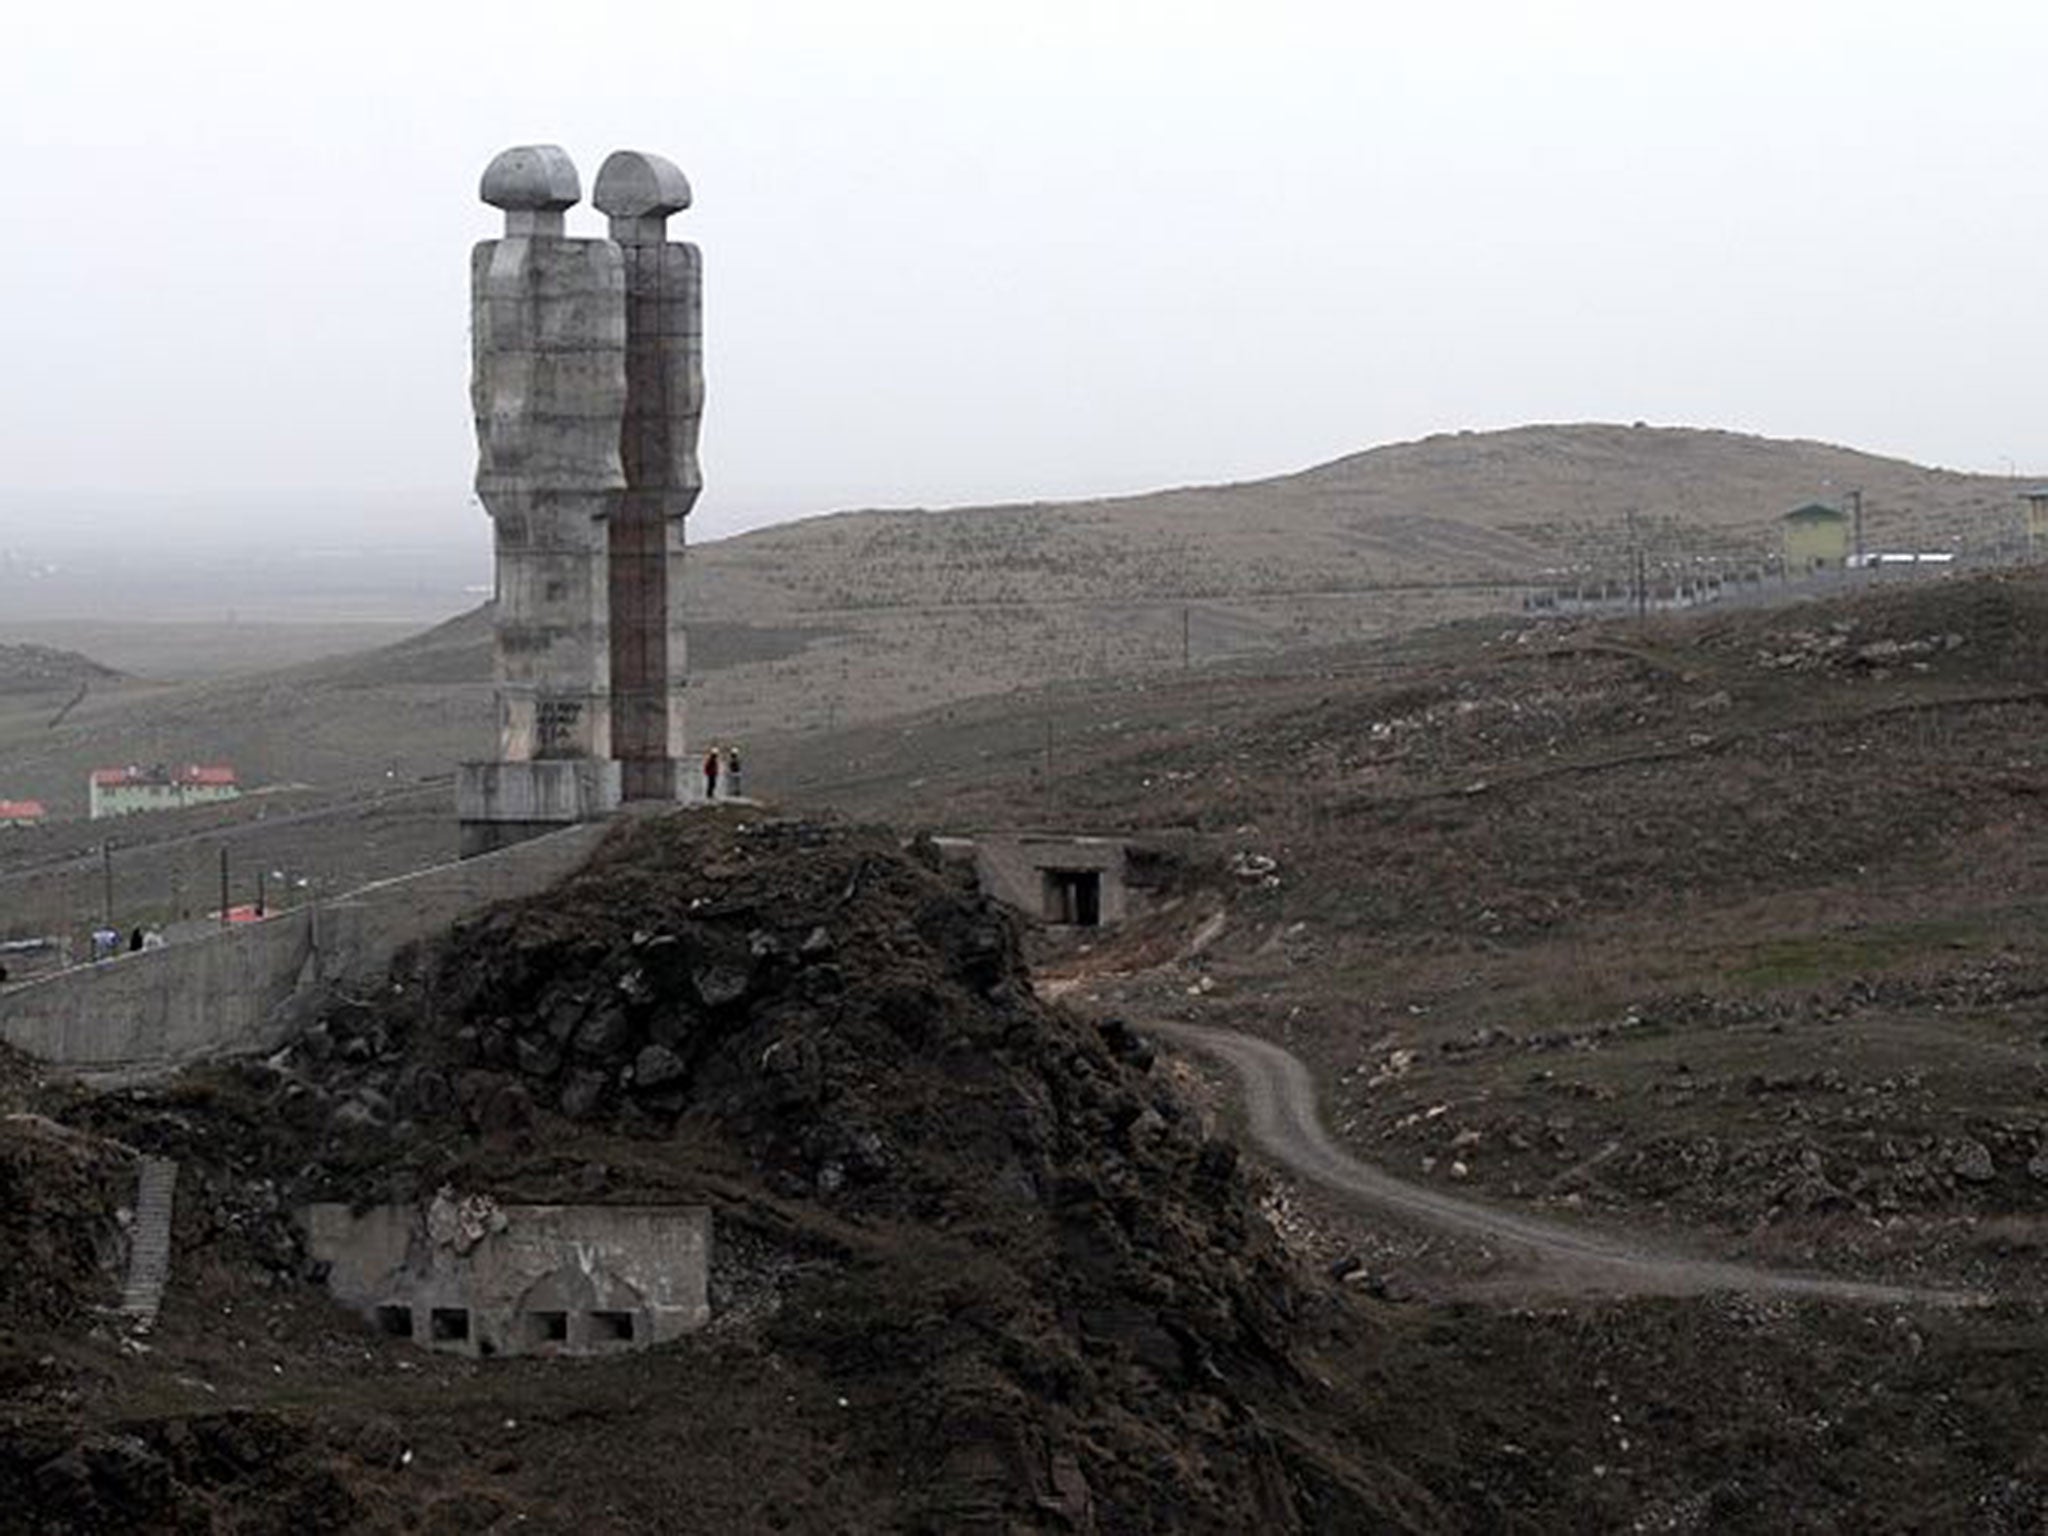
{"x": 245, "y": 988}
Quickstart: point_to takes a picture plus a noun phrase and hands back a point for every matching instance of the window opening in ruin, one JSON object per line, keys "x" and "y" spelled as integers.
{"x": 611, "y": 1327}
{"x": 395, "y": 1322}
{"x": 448, "y": 1325}
{"x": 547, "y": 1327}
{"x": 1073, "y": 897}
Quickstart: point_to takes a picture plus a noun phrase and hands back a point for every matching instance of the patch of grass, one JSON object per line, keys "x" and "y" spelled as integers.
{"x": 1814, "y": 959}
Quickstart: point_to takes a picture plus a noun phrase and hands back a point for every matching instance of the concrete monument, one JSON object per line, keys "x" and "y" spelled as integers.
{"x": 658, "y": 450}
{"x": 587, "y": 386}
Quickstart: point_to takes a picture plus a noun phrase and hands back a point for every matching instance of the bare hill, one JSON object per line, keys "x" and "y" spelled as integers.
{"x": 1455, "y": 508}
{"x": 41, "y": 669}
{"x": 944, "y": 605}
{"x": 864, "y": 615}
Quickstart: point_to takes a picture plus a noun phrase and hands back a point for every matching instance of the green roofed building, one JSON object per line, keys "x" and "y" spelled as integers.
{"x": 1816, "y": 538}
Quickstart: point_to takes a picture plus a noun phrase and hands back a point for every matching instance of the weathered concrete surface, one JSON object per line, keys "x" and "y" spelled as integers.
{"x": 244, "y": 989}
{"x": 658, "y": 451}
{"x": 535, "y": 184}
{"x": 1023, "y": 870}
{"x": 499, "y": 804}
{"x": 228, "y": 992}
{"x": 484, "y": 1279}
{"x": 548, "y": 387}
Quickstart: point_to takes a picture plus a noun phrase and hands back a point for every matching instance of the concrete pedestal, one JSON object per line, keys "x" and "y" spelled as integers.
{"x": 499, "y": 804}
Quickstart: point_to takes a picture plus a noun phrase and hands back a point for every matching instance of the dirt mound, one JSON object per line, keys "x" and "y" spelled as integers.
{"x": 60, "y": 1243}
{"x": 988, "y": 1223}
{"x": 1059, "y": 1273}
{"x": 61, "y": 1246}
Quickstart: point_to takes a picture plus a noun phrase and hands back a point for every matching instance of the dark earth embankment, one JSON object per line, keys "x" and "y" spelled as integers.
{"x": 981, "y": 1266}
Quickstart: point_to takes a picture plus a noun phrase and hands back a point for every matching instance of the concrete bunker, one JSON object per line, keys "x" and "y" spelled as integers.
{"x": 475, "y": 1277}
{"x": 1064, "y": 880}
{"x": 1073, "y": 897}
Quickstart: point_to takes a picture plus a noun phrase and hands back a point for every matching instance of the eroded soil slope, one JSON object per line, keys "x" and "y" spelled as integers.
{"x": 985, "y": 1264}
{"x": 1728, "y": 925}
{"x": 979, "y": 1265}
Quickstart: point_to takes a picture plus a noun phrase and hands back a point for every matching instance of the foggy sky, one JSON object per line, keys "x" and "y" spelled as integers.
{"x": 972, "y": 252}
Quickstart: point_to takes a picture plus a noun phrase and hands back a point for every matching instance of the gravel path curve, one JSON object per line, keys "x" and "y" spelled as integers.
{"x": 1280, "y": 1099}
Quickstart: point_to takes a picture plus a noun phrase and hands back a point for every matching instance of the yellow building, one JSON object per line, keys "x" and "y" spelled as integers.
{"x": 1816, "y": 539}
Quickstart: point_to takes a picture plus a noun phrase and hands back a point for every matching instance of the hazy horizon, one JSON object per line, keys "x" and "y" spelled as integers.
{"x": 956, "y": 257}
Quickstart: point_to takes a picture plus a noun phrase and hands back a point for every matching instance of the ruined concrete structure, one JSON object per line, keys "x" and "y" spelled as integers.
{"x": 479, "y": 1278}
{"x": 587, "y": 385}
{"x": 1067, "y": 881}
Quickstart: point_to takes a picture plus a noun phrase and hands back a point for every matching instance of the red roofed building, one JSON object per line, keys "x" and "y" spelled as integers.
{"x": 22, "y": 813}
{"x": 125, "y": 791}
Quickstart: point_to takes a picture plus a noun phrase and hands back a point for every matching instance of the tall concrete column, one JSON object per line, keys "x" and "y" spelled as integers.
{"x": 548, "y": 328}
{"x": 658, "y": 452}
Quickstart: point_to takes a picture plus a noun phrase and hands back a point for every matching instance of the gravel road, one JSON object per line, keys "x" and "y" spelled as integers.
{"x": 1280, "y": 1100}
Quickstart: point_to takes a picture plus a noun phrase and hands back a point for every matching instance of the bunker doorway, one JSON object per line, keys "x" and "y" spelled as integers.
{"x": 1074, "y": 897}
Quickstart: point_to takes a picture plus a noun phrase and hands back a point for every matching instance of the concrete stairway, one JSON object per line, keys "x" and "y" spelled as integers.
{"x": 149, "y": 1256}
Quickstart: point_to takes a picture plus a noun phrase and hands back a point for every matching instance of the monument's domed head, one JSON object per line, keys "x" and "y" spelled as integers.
{"x": 533, "y": 183}
{"x": 632, "y": 184}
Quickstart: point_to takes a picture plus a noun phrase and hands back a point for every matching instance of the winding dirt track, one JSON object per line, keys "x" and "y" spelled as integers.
{"x": 1280, "y": 1099}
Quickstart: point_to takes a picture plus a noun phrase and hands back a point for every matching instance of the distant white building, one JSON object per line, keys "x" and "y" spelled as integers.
{"x": 127, "y": 791}
{"x": 1879, "y": 558}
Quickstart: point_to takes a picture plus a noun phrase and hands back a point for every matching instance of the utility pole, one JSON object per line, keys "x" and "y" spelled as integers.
{"x": 1856, "y": 524}
{"x": 107, "y": 877}
{"x": 1638, "y": 569}
{"x": 1048, "y": 769}
{"x": 1186, "y": 629}
{"x": 223, "y": 885}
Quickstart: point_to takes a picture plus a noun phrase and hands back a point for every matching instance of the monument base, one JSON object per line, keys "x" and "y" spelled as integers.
{"x": 499, "y": 804}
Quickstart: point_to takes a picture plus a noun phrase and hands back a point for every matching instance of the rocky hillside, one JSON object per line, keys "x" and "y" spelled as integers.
{"x": 984, "y": 1264}
{"x": 1724, "y": 919}
{"x": 1036, "y": 1288}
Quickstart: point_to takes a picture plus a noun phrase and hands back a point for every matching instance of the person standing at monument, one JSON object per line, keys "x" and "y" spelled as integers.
{"x": 711, "y": 773}
{"x": 733, "y": 789}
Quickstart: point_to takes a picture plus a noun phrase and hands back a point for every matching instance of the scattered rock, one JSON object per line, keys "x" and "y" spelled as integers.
{"x": 583, "y": 1093}
{"x": 1970, "y": 1161}
{"x": 656, "y": 1067}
